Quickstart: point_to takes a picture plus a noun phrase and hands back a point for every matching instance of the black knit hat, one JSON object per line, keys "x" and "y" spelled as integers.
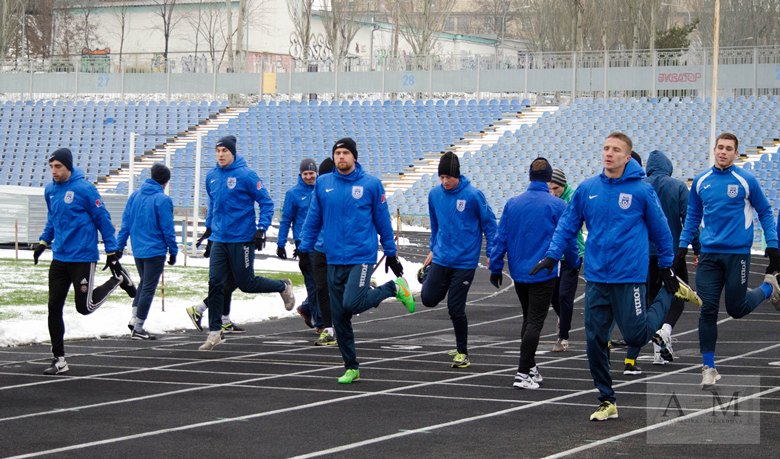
{"x": 347, "y": 143}
{"x": 558, "y": 177}
{"x": 541, "y": 174}
{"x": 229, "y": 142}
{"x": 636, "y": 157}
{"x": 160, "y": 173}
{"x": 308, "y": 164}
{"x": 449, "y": 165}
{"x": 64, "y": 156}
{"x": 326, "y": 166}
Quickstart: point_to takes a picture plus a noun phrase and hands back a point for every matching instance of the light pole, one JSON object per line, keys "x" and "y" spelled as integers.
{"x": 374, "y": 28}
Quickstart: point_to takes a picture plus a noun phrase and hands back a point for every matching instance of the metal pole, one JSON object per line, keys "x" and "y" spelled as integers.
{"x": 162, "y": 289}
{"x": 184, "y": 238}
{"x": 30, "y": 70}
{"x": 478, "y": 77}
{"x": 122, "y": 78}
{"x": 525, "y": 75}
{"x": 336, "y": 80}
{"x": 131, "y": 181}
{"x": 16, "y": 237}
{"x": 384, "y": 62}
{"x": 755, "y": 71}
{"x": 573, "y": 75}
{"x": 167, "y": 80}
{"x": 214, "y": 83}
{"x": 654, "y": 57}
{"x": 196, "y": 192}
{"x": 430, "y": 77}
{"x": 606, "y": 73}
{"x": 714, "y": 89}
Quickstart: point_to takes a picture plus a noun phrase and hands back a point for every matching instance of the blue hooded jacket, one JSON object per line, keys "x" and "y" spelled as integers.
{"x": 722, "y": 202}
{"x": 350, "y": 210}
{"x": 672, "y": 194}
{"x": 233, "y": 191}
{"x": 619, "y": 213}
{"x": 296, "y": 206}
{"x": 148, "y": 220}
{"x": 526, "y": 228}
{"x": 75, "y": 214}
{"x": 459, "y": 217}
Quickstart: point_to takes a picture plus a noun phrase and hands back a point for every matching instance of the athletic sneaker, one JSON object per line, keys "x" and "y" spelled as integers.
{"x": 709, "y": 376}
{"x": 561, "y": 345}
{"x": 195, "y": 317}
{"x": 306, "y": 316}
{"x": 631, "y": 369}
{"x": 403, "y": 294}
{"x": 57, "y": 366}
{"x": 659, "y": 359}
{"x": 325, "y": 339}
{"x": 775, "y": 296}
{"x": 126, "y": 282}
{"x": 685, "y": 292}
{"x": 523, "y": 381}
{"x": 350, "y": 376}
{"x": 607, "y": 410}
{"x": 460, "y": 361}
{"x": 215, "y": 338}
{"x": 535, "y": 375}
{"x": 131, "y": 324}
{"x": 664, "y": 340}
{"x": 287, "y": 295}
{"x": 231, "y": 328}
{"x": 141, "y": 335}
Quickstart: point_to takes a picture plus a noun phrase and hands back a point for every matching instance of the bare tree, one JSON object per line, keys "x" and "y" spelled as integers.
{"x": 120, "y": 13}
{"x": 164, "y": 9}
{"x": 209, "y": 25}
{"x": 339, "y": 19}
{"x": 743, "y": 22}
{"x": 300, "y": 14}
{"x": 86, "y": 29}
{"x": 421, "y": 20}
{"x": 11, "y": 12}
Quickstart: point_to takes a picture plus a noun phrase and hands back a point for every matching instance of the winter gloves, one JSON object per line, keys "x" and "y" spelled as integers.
{"x": 260, "y": 239}
{"x": 546, "y": 263}
{"x": 391, "y": 262}
{"x": 202, "y": 238}
{"x": 39, "y": 249}
{"x": 669, "y": 279}
{"x": 496, "y": 279}
{"x": 774, "y": 260}
{"x": 281, "y": 253}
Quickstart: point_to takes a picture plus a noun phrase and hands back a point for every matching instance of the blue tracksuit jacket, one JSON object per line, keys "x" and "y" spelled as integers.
{"x": 148, "y": 220}
{"x": 296, "y": 206}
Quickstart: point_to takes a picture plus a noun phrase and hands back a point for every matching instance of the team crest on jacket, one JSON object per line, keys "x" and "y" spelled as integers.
{"x": 231, "y": 183}
{"x": 732, "y": 191}
{"x": 460, "y": 204}
{"x": 68, "y": 197}
{"x": 624, "y": 201}
{"x": 357, "y": 192}
{"x": 259, "y": 184}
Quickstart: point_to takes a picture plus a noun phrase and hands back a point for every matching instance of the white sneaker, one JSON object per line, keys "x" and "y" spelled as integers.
{"x": 287, "y": 295}
{"x": 663, "y": 339}
{"x": 775, "y": 296}
{"x": 58, "y": 366}
{"x": 523, "y": 381}
{"x": 215, "y": 338}
{"x": 658, "y": 359}
{"x": 709, "y": 376}
{"x": 535, "y": 375}
{"x": 561, "y": 345}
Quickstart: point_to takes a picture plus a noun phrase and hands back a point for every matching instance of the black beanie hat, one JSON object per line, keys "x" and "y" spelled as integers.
{"x": 326, "y": 166}
{"x": 347, "y": 143}
{"x": 541, "y": 175}
{"x": 160, "y": 173}
{"x": 636, "y": 156}
{"x": 308, "y": 164}
{"x": 229, "y": 142}
{"x": 449, "y": 165}
{"x": 64, "y": 156}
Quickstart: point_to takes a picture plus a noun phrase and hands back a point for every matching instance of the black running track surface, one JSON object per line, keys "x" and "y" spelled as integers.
{"x": 271, "y": 393}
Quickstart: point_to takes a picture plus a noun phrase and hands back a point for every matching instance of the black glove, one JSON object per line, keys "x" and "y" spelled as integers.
{"x": 39, "y": 249}
{"x": 680, "y": 255}
{"x": 774, "y": 260}
{"x": 112, "y": 263}
{"x": 119, "y": 253}
{"x": 546, "y": 262}
{"x": 303, "y": 259}
{"x": 392, "y": 262}
{"x": 281, "y": 253}
{"x": 669, "y": 279}
{"x": 496, "y": 279}
{"x": 207, "y": 252}
{"x": 296, "y": 253}
{"x": 171, "y": 259}
{"x": 202, "y": 238}
{"x": 260, "y": 239}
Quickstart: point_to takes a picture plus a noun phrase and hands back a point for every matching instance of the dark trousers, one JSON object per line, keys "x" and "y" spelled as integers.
{"x": 654, "y": 285}
{"x": 718, "y": 272}
{"x": 623, "y": 304}
{"x": 454, "y": 284}
{"x": 81, "y": 275}
{"x": 535, "y": 301}
{"x": 310, "y": 304}
{"x": 236, "y": 260}
{"x": 320, "y": 271}
{"x": 149, "y": 271}
{"x": 563, "y": 299}
{"x": 351, "y": 293}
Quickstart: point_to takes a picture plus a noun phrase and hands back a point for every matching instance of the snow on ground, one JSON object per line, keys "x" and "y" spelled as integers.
{"x": 30, "y": 325}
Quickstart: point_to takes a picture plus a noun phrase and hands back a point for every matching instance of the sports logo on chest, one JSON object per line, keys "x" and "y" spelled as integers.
{"x": 732, "y": 191}
{"x": 357, "y": 192}
{"x": 624, "y": 200}
{"x": 460, "y": 204}
{"x": 68, "y": 197}
{"x": 231, "y": 183}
